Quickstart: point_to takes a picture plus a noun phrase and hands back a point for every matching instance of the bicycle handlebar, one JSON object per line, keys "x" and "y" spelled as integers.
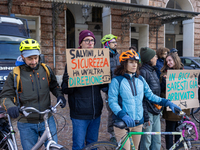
{"x": 193, "y": 127}
{"x": 24, "y": 109}
{"x": 186, "y": 124}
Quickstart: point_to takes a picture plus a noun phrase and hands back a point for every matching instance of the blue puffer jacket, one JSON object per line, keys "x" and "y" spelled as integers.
{"x": 132, "y": 91}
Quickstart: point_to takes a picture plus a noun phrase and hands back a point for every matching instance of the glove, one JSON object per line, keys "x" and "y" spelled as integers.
{"x": 62, "y": 105}
{"x": 65, "y": 77}
{"x": 129, "y": 121}
{"x": 173, "y": 106}
{"x": 13, "y": 111}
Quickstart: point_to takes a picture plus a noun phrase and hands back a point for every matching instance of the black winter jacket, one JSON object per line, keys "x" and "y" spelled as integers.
{"x": 84, "y": 102}
{"x": 150, "y": 75}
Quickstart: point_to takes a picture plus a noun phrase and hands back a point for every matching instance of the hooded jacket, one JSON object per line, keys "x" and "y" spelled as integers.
{"x": 34, "y": 91}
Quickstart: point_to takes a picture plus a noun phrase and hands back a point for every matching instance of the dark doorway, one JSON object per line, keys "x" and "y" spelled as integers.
{"x": 179, "y": 47}
{"x": 170, "y": 41}
{"x": 70, "y": 30}
{"x": 134, "y": 42}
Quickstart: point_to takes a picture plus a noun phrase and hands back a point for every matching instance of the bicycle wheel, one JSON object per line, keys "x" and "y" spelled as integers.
{"x": 196, "y": 114}
{"x": 102, "y": 145}
{"x": 195, "y": 146}
{"x": 7, "y": 144}
{"x": 53, "y": 148}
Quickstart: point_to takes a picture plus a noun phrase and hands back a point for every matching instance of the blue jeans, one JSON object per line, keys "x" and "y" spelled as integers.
{"x": 151, "y": 142}
{"x": 30, "y": 132}
{"x": 84, "y": 131}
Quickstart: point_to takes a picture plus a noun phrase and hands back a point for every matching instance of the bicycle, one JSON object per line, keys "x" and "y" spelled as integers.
{"x": 182, "y": 143}
{"x": 195, "y": 114}
{"x": 8, "y": 142}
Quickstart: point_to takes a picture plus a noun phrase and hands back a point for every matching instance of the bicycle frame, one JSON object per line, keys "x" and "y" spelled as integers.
{"x": 128, "y": 135}
{"x": 46, "y": 135}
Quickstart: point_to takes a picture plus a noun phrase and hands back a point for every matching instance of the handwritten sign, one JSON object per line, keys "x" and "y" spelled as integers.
{"x": 182, "y": 88}
{"x": 88, "y": 66}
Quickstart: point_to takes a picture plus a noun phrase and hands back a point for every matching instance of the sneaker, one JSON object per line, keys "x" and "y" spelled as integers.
{"x": 113, "y": 140}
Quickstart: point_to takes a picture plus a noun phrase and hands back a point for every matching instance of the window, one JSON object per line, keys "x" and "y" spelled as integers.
{"x": 173, "y": 4}
{"x": 188, "y": 62}
{"x": 96, "y": 14}
{"x": 134, "y": 1}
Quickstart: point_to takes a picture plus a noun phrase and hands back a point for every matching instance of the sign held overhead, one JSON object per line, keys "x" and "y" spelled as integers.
{"x": 88, "y": 66}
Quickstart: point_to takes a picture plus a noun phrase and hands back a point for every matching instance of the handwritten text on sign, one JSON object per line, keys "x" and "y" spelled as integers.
{"x": 182, "y": 88}
{"x": 88, "y": 66}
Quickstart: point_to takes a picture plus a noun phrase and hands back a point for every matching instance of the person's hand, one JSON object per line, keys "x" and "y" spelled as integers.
{"x": 65, "y": 77}
{"x": 173, "y": 106}
{"x": 13, "y": 111}
{"x": 62, "y": 105}
{"x": 164, "y": 76}
{"x": 129, "y": 121}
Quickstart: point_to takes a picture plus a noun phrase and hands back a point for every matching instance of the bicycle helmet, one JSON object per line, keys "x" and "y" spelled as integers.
{"x": 107, "y": 38}
{"x": 130, "y": 54}
{"x": 29, "y": 44}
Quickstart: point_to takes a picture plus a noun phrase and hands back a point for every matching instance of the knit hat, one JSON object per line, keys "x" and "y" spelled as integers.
{"x": 147, "y": 54}
{"x": 84, "y": 34}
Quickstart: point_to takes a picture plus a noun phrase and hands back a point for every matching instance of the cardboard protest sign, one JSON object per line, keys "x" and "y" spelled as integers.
{"x": 182, "y": 88}
{"x": 88, "y": 66}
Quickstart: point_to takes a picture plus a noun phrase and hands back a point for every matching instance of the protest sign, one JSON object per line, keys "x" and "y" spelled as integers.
{"x": 88, "y": 66}
{"x": 182, "y": 88}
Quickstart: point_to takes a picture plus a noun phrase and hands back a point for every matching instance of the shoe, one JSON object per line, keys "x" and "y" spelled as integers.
{"x": 113, "y": 140}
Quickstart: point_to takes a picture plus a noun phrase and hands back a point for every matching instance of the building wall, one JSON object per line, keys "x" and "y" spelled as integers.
{"x": 44, "y": 10}
{"x": 123, "y": 37}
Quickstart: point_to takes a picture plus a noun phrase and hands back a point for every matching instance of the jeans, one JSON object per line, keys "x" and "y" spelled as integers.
{"x": 84, "y": 131}
{"x": 171, "y": 127}
{"x": 29, "y": 132}
{"x": 151, "y": 142}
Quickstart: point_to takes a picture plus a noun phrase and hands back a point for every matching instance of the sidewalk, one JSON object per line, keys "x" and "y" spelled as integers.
{"x": 65, "y": 136}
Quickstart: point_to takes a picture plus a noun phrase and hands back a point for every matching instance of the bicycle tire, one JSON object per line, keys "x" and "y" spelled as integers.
{"x": 195, "y": 114}
{"x": 101, "y": 145}
{"x": 195, "y": 145}
{"x": 53, "y": 148}
{"x": 7, "y": 144}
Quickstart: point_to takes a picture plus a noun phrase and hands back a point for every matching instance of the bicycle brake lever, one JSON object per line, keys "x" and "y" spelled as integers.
{"x": 24, "y": 112}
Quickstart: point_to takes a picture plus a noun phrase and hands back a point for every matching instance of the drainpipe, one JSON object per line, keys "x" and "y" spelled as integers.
{"x": 54, "y": 36}
{"x": 157, "y": 28}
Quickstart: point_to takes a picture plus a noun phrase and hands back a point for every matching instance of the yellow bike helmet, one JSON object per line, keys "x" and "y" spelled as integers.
{"x": 130, "y": 54}
{"x": 107, "y": 38}
{"x": 29, "y": 44}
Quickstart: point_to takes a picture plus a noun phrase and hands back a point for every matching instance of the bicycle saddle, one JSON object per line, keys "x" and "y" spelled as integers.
{"x": 120, "y": 124}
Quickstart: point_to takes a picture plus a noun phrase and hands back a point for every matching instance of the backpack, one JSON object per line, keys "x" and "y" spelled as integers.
{"x": 16, "y": 75}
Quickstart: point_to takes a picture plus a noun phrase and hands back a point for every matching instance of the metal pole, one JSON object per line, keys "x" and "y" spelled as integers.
{"x": 157, "y": 28}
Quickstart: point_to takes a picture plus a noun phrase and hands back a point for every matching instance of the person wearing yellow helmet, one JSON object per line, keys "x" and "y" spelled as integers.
{"x": 109, "y": 41}
{"x": 30, "y": 51}
{"x": 125, "y": 97}
{"x": 34, "y": 91}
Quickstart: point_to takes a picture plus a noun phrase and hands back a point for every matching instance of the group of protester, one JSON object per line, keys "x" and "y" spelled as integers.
{"x": 133, "y": 96}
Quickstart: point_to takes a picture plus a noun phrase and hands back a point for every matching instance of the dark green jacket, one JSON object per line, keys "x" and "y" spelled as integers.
{"x": 34, "y": 91}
